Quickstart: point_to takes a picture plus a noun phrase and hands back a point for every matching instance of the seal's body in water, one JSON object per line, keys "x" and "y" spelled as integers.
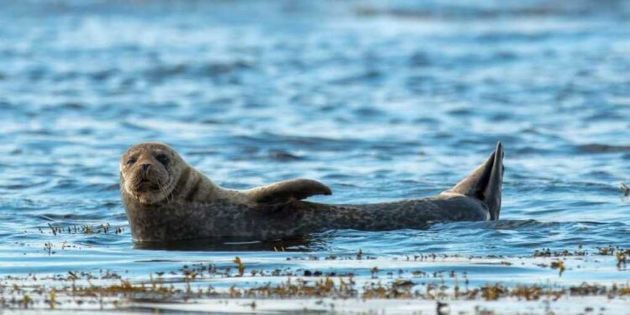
{"x": 168, "y": 200}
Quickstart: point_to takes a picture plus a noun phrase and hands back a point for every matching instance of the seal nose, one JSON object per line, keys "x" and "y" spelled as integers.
{"x": 145, "y": 167}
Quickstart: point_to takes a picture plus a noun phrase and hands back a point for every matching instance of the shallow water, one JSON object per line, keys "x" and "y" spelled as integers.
{"x": 380, "y": 102}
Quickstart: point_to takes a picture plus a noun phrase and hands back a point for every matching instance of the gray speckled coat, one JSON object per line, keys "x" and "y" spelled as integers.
{"x": 279, "y": 211}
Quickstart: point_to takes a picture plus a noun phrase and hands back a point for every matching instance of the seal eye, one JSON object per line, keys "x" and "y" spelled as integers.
{"x": 162, "y": 158}
{"x": 131, "y": 161}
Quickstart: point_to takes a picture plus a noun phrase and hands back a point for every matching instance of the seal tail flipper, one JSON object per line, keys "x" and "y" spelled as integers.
{"x": 484, "y": 183}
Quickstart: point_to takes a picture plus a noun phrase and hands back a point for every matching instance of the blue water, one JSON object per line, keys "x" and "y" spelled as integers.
{"x": 380, "y": 101}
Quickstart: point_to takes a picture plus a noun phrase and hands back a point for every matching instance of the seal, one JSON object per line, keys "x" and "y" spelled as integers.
{"x": 168, "y": 200}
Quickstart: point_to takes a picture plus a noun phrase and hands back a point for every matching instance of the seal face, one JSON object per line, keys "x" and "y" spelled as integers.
{"x": 167, "y": 200}
{"x": 149, "y": 172}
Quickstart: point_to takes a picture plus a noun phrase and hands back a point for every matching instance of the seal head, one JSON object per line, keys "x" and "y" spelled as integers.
{"x": 149, "y": 172}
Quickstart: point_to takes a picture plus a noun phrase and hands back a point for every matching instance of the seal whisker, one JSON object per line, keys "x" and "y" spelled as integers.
{"x": 164, "y": 192}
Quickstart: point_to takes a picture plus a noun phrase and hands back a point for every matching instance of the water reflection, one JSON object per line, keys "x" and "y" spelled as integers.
{"x": 305, "y": 243}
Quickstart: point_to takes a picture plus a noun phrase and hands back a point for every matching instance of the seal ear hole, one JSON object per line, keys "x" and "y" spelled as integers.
{"x": 162, "y": 158}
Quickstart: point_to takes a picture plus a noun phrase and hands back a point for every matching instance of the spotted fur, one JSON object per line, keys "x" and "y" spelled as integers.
{"x": 189, "y": 206}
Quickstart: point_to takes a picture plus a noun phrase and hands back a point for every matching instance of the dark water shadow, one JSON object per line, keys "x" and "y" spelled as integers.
{"x": 596, "y": 148}
{"x": 304, "y": 243}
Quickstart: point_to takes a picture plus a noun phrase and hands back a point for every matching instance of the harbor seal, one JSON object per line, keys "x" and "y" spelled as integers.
{"x": 168, "y": 200}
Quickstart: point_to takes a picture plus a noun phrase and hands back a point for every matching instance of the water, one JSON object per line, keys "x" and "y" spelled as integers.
{"x": 379, "y": 101}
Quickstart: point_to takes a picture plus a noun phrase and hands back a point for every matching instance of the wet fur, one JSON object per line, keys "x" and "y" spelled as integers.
{"x": 189, "y": 206}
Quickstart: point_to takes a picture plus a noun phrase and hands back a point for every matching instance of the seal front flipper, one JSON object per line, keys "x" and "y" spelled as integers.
{"x": 484, "y": 183}
{"x": 293, "y": 189}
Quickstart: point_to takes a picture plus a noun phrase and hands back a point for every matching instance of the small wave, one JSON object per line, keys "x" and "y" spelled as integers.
{"x": 464, "y": 12}
{"x": 209, "y": 69}
{"x": 602, "y": 148}
{"x": 517, "y": 224}
{"x": 359, "y": 78}
{"x": 284, "y": 156}
{"x": 68, "y": 218}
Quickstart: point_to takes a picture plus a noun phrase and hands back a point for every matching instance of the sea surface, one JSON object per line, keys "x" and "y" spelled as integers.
{"x": 379, "y": 100}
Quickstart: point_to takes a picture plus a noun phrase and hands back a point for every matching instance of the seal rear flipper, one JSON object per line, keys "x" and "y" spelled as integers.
{"x": 484, "y": 183}
{"x": 293, "y": 189}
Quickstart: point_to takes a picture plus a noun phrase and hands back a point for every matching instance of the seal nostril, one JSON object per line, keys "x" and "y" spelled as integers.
{"x": 145, "y": 166}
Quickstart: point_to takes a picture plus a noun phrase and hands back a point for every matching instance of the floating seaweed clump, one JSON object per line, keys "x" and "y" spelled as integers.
{"x": 558, "y": 264}
{"x": 547, "y": 252}
{"x": 620, "y": 254}
{"x": 104, "y": 228}
{"x": 76, "y": 289}
{"x": 193, "y": 282}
